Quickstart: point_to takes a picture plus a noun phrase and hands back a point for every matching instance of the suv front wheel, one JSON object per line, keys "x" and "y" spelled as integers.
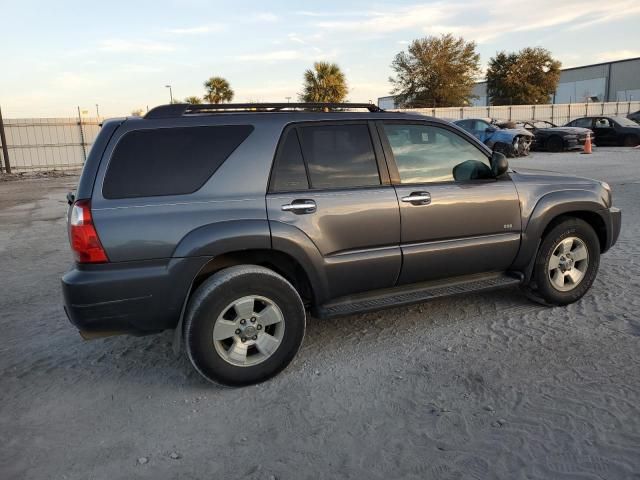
{"x": 567, "y": 262}
{"x": 243, "y": 325}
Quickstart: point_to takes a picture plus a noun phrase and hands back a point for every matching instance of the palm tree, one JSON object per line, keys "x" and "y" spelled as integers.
{"x": 325, "y": 83}
{"x": 218, "y": 90}
{"x": 193, "y": 100}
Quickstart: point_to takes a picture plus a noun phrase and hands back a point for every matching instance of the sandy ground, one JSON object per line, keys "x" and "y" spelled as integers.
{"x": 477, "y": 387}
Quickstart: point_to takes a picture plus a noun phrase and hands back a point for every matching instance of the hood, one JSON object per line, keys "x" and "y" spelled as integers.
{"x": 547, "y": 176}
{"x": 517, "y": 131}
{"x": 572, "y": 130}
{"x": 534, "y": 184}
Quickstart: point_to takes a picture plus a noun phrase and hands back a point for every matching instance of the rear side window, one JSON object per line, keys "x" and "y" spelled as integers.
{"x": 169, "y": 161}
{"x": 339, "y": 156}
{"x": 289, "y": 173}
{"x": 582, "y": 122}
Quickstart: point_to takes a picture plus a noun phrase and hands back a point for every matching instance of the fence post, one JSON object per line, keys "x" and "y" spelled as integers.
{"x": 533, "y": 112}
{"x": 552, "y": 120}
{"x": 509, "y": 112}
{"x": 586, "y": 109}
{"x": 84, "y": 151}
{"x": 569, "y": 118}
{"x": 461, "y": 113}
{"x": 5, "y": 150}
{"x": 617, "y": 105}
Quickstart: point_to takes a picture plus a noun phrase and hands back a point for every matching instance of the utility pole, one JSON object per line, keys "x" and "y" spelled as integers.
{"x": 97, "y": 110}
{"x": 170, "y": 93}
{"x": 5, "y": 150}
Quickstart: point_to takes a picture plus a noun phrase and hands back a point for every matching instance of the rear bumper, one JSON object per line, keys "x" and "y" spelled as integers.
{"x": 137, "y": 297}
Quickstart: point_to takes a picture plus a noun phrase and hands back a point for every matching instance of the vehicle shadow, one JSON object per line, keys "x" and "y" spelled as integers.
{"x": 150, "y": 360}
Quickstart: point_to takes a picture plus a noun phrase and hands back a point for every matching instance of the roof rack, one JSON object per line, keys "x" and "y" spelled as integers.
{"x": 180, "y": 109}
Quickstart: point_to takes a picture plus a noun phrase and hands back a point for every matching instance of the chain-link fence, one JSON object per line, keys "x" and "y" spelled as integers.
{"x": 63, "y": 143}
{"x": 555, "y": 113}
{"x": 48, "y": 143}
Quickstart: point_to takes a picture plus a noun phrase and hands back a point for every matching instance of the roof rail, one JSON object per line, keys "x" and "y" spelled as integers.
{"x": 180, "y": 109}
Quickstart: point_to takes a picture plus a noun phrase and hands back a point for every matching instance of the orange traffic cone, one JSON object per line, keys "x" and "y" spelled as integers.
{"x": 587, "y": 145}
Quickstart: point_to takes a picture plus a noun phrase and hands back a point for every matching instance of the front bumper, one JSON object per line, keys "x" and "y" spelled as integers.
{"x": 128, "y": 297}
{"x": 615, "y": 224}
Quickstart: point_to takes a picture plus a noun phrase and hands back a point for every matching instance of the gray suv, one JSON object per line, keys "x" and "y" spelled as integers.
{"x": 229, "y": 222}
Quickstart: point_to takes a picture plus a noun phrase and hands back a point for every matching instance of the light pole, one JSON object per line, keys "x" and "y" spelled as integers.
{"x": 170, "y": 93}
{"x": 288, "y": 99}
{"x": 97, "y": 111}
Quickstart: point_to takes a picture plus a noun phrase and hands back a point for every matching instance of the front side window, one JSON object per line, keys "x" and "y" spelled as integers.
{"x": 339, "y": 156}
{"x": 581, "y": 122}
{"x": 426, "y": 154}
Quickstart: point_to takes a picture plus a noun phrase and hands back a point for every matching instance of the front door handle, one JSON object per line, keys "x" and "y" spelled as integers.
{"x": 300, "y": 206}
{"x": 418, "y": 198}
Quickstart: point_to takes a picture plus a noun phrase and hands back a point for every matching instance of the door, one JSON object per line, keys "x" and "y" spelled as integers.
{"x": 326, "y": 182}
{"x": 605, "y": 132}
{"x": 456, "y": 219}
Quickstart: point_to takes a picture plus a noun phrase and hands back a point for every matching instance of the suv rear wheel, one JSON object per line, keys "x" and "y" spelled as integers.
{"x": 243, "y": 325}
{"x": 567, "y": 262}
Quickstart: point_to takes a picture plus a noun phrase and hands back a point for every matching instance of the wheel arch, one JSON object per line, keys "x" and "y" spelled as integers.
{"x": 552, "y": 209}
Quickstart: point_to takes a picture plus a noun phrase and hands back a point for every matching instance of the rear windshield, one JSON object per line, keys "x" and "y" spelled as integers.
{"x": 169, "y": 161}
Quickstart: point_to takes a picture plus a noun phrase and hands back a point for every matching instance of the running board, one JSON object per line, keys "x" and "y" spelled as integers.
{"x": 415, "y": 293}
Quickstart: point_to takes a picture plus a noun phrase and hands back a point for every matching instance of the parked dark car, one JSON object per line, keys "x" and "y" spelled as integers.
{"x": 550, "y": 137}
{"x": 610, "y": 130}
{"x": 228, "y": 223}
{"x": 635, "y": 116}
{"x": 512, "y": 142}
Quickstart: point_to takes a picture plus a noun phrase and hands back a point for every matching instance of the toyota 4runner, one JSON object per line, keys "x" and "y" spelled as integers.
{"x": 229, "y": 222}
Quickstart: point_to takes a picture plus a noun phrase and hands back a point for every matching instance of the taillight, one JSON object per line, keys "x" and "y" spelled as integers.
{"x": 84, "y": 239}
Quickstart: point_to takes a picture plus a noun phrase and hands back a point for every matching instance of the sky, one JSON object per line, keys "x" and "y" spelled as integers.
{"x": 59, "y": 55}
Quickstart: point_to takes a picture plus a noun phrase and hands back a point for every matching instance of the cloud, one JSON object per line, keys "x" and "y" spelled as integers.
{"x": 612, "y": 55}
{"x": 489, "y": 19}
{"x": 310, "y": 53}
{"x": 263, "y": 17}
{"x": 392, "y": 20}
{"x": 139, "y": 46}
{"x": 277, "y": 55}
{"x": 197, "y": 30}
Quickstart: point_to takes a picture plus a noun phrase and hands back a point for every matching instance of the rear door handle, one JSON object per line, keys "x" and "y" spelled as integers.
{"x": 300, "y": 206}
{"x": 418, "y": 198}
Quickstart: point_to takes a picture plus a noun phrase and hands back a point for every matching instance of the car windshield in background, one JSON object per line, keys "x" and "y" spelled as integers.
{"x": 625, "y": 122}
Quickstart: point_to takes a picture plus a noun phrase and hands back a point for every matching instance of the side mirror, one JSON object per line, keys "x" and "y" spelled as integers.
{"x": 490, "y": 129}
{"x": 499, "y": 164}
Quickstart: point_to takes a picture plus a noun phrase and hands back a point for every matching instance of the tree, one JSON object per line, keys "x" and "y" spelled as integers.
{"x": 193, "y": 100}
{"x": 522, "y": 78}
{"x": 436, "y": 72}
{"x": 218, "y": 90}
{"x": 324, "y": 83}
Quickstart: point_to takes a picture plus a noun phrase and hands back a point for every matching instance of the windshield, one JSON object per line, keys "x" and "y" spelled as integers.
{"x": 625, "y": 122}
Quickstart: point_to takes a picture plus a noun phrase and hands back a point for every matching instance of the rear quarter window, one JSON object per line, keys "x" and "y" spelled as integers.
{"x": 169, "y": 161}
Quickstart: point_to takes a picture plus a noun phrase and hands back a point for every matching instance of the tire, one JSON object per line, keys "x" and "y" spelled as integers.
{"x": 555, "y": 144}
{"x": 631, "y": 140}
{"x": 261, "y": 296}
{"x": 545, "y": 280}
